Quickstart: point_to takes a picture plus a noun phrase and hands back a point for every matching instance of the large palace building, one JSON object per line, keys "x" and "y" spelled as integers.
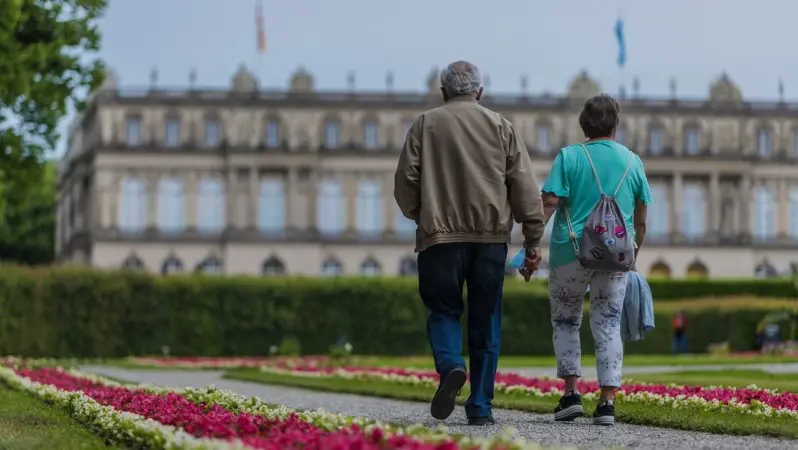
{"x": 300, "y": 182}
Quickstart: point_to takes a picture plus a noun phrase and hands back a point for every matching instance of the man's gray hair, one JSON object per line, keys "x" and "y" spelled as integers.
{"x": 461, "y": 78}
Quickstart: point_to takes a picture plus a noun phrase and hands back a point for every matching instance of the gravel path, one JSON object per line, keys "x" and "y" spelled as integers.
{"x": 590, "y": 371}
{"x": 535, "y": 427}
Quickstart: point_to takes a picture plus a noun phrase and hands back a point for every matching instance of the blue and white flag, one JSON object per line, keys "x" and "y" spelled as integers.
{"x": 621, "y": 43}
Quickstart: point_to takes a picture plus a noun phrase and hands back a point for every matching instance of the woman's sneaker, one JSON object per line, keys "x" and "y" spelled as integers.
{"x": 570, "y": 408}
{"x": 605, "y": 414}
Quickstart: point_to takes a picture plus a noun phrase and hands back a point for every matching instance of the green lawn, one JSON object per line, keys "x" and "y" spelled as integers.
{"x": 735, "y": 378}
{"x": 28, "y": 423}
{"x": 629, "y": 413}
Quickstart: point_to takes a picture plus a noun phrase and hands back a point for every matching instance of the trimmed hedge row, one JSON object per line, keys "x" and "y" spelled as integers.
{"x": 63, "y": 312}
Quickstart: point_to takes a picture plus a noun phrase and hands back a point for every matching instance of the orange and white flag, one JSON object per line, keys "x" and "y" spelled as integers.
{"x": 261, "y": 32}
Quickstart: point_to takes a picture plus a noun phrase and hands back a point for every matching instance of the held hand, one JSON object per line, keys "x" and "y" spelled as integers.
{"x": 531, "y": 263}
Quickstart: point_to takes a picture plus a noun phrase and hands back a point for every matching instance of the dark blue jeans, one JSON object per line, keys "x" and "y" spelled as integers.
{"x": 679, "y": 343}
{"x": 442, "y": 271}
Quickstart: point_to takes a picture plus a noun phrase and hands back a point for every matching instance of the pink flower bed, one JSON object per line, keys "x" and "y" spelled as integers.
{"x": 213, "y": 421}
{"x": 777, "y": 400}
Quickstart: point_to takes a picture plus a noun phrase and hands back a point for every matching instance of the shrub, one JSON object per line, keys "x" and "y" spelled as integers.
{"x": 68, "y": 312}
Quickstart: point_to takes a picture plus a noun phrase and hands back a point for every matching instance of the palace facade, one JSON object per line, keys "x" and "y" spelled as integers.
{"x": 300, "y": 182}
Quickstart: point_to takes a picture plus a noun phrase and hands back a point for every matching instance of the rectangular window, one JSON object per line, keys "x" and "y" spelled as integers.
{"x": 210, "y": 207}
{"x": 764, "y": 213}
{"x": 694, "y": 211}
{"x": 692, "y": 142}
{"x": 273, "y": 133}
{"x": 655, "y": 140}
{"x": 170, "y": 206}
{"x": 369, "y": 208}
{"x": 133, "y": 131}
{"x": 172, "y": 132}
{"x": 212, "y": 129}
{"x": 543, "y": 138}
{"x": 331, "y": 135}
{"x": 658, "y": 220}
{"x": 371, "y": 136}
{"x": 331, "y": 208}
{"x": 271, "y": 207}
{"x": 764, "y": 143}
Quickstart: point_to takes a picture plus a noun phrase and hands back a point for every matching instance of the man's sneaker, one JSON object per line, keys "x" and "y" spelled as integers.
{"x": 570, "y": 408}
{"x": 444, "y": 400}
{"x": 605, "y": 414}
{"x": 481, "y": 421}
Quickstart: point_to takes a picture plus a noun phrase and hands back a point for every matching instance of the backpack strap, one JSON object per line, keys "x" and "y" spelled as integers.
{"x": 625, "y": 172}
{"x": 593, "y": 169}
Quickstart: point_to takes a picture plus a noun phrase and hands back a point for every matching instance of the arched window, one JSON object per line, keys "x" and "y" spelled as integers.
{"x": 271, "y": 206}
{"x": 133, "y": 206}
{"x": 133, "y": 262}
{"x": 211, "y": 266}
{"x": 697, "y": 269}
{"x": 793, "y": 213}
{"x": 692, "y": 140}
{"x": 765, "y": 270}
{"x": 405, "y": 227}
{"x": 273, "y": 267}
{"x": 332, "y": 134}
{"x": 408, "y": 267}
{"x": 694, "y": 211}
{"x": 659, "y": 270}
{"x": 332, "y": 268}
{"x": 370, "y": 267}
{"x": 330, "y": 208}
{"x": 369, "y": 208}
{"x": 171, "y": 265}
{"x": 658, "y": 220}
{"x": 655, "y": 146}
{"x": 371, "y": 134}
{"x": 210, "y": 206}
{"x": 764, "y": 213}
{"x": 170, "y": 206}
{"x": 271, "y": 133}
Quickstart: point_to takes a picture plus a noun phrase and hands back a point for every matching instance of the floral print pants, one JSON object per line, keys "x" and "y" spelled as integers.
{"x": 567, "y": 286}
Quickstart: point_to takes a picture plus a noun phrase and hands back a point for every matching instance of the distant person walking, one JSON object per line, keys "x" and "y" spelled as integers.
{"x": 679, "y": 333}
{"x": 463, "y": 176}
{"x": 597, "y": 190}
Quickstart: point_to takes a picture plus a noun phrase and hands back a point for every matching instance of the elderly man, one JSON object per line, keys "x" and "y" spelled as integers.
{"x": 463, "y": 176}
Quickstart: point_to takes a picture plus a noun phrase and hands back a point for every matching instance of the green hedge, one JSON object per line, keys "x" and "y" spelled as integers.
{"x": 63, "y": 312}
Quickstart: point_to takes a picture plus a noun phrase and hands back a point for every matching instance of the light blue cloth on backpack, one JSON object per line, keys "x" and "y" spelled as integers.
{"x": 638, "y": 308}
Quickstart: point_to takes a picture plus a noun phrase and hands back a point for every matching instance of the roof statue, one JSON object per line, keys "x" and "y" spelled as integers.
{"x": 302, "y": 81}
{"x": 723, "y": 90}
{"x": 583, "y": 87}
{"x": 243, "y": 81}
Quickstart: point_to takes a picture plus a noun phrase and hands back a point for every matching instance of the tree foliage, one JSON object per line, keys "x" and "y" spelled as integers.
{"x": 47, "y": 62}
{"x": 27, "y": 227}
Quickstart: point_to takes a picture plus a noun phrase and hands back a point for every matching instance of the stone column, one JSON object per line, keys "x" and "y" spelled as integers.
{"x": 746, "y": 190}
{"x": 192, "y": 180}
{"x": 677, "y": 204}
{"x": 254, "y": 197}
{"x": 388, "y": 204}
{"x": 230, "y": 187}
{"x": 152, "y": 200}
{"x": 110, "y": 195}
{"x": 350, "y": 181}
{"x": 312, "y": 189}
{"x": 292, "y": 199}
{"x": 714, "y": 203}
{"x": 782, "y": 208}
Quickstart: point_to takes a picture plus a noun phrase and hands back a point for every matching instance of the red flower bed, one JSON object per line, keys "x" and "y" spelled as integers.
{"x": 724, "y": 395}
{"x": 213, "y": 421}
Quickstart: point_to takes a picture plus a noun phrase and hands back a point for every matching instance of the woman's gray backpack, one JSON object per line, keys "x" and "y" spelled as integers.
{"x": 606, "y": 245}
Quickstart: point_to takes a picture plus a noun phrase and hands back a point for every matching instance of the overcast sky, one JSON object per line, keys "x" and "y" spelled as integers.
{"x": 549, "y": 41}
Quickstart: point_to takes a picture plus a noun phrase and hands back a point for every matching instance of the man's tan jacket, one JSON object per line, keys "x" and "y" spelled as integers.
{"x": 464, "y": 174}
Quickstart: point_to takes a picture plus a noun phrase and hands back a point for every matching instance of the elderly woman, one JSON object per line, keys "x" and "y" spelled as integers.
{"x": 573, "y": 189}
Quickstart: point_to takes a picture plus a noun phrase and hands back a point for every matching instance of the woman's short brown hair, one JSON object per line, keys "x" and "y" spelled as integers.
{"x": 600, "y": 116}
